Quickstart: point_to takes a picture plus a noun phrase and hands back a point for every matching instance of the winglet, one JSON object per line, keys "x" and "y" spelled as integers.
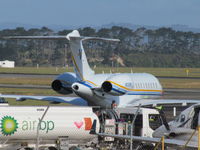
{"x": 93, "y": 129}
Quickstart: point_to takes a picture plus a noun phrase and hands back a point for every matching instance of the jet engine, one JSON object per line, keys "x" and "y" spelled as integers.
{"x": 112, "y": 89}
{"x": 62, "y": 84}
{"x": 81, "y": 89}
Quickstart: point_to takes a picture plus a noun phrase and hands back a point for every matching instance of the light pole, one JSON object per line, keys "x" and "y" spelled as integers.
{"x": 38, "y": 127}
{"x": 132, "y": 125}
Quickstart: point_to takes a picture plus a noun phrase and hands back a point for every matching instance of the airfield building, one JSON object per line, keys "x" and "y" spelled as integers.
{"x": 7, "y": 64}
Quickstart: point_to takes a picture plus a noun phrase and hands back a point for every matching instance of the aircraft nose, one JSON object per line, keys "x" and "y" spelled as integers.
{"x": 158, "y": 133}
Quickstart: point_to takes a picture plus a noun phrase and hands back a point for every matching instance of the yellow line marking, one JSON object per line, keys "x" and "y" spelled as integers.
{"x": 74, "y": 61}
{"x": 77, "y": 67}
{"x": 91, "y": 82}
{"x": 144, "y": 90}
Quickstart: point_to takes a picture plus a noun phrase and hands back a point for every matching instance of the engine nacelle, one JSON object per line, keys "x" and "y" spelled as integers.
{"x": 110, "y": 88}
{"x": 81, "y": 89}
{"x": 62, "y": 84}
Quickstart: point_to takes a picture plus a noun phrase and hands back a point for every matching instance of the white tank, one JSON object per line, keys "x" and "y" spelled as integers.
{"x": 20, "y": 122}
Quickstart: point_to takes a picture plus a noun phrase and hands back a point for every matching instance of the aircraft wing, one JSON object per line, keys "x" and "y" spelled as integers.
{"x": 52, "y": 99}
{"x": 155, "y": 102}
{"x": 170, "y": 142}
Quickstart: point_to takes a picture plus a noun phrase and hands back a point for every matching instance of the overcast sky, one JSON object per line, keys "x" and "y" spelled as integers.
{"x": 99, "y": 12}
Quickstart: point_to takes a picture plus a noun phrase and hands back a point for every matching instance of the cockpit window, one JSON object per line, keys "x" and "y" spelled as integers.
{"x": 182, "y": 118}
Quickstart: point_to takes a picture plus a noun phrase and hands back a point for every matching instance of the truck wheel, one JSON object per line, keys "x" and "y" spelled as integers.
{"x": 28, "y": 148}
{"x": 52, "y": 148}
{"x": 73, "y": 148}
{"x": 145, "y": 147}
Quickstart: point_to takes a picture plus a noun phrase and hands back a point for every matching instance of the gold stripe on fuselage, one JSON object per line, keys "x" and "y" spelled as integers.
{"x": 91, "y": 82}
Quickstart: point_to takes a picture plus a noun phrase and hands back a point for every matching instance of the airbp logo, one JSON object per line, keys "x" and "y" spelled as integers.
{"x": 8, "y": 125}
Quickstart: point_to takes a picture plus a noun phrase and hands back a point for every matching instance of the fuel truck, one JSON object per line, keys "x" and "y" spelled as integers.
{"x": 62, "y": 127}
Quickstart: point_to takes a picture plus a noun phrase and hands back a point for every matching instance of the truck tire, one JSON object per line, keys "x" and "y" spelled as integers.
{"x": 145, "y": 147}
{"x": 52, "y": 148}
{"x": 26, "y": 148}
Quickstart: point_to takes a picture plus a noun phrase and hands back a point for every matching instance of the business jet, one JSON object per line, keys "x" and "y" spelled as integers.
{"x": 184, "y": 127}
{"x": 97, "y": 89}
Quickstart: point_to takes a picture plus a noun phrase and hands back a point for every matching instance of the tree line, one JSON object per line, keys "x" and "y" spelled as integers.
{"x": 163, "y": 47}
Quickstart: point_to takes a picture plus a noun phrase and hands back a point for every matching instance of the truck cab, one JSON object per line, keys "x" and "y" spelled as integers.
{"x": 146, "y": 121}
{"x": 119, "y": 121}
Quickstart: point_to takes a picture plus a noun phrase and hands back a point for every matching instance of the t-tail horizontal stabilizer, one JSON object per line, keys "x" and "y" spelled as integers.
{"x": 73, "y": 34}
{"x": 81, "y": 66}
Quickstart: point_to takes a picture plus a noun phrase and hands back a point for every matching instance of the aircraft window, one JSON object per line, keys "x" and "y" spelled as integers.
{"x": 152, "y": 86}
{"x": 182, "y": 118}
{"x": 128, "y": 84}
{"x": 149, "y": 84}
{"x": 146, "y": 85}
{"x": 156, "y": 85}
{"x": 154, "y": 121}
{"x": 142, "y": 85}
{"x": 139, "y": 85}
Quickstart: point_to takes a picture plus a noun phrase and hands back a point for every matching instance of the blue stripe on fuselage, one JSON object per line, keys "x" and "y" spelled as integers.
{"x": 83, "y": 83}
{"x": 118, "y": 91}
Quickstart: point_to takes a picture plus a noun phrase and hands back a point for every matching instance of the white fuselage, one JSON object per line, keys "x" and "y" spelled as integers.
{"x": 183, "y": 127}
{"x": 133, "y": 87}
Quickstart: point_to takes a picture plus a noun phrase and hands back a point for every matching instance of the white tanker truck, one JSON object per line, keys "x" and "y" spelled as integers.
{"x": 20, "y": 124}
{"x": 56, "y": 125}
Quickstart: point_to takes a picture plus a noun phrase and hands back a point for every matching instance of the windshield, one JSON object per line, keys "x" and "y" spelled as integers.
{"x": 155, "y": 121}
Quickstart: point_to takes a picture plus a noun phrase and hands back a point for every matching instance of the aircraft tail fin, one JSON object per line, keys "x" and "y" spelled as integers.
{"x": 81, "y": 65}
{"x": 79, "y": 59}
